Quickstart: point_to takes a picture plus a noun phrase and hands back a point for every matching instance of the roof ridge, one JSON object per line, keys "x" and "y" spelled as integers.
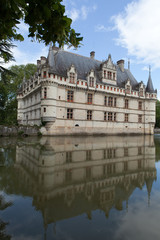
{"x": 80, "y": 55}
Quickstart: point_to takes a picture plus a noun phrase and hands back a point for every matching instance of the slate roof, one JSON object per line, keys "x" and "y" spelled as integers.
{"x": 60, "y": 61}
{"x": 149, "y": 87}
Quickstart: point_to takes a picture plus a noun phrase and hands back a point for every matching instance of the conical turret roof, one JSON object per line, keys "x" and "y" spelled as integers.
{"x": 149, "y": 87}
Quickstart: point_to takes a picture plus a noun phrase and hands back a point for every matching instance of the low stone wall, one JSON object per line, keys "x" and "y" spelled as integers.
{"x": 6, "y": 131}
{"x": 157, "y": 130}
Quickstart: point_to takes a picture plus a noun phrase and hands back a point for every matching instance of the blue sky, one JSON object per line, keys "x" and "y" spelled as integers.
{"x": 126, "y": 29}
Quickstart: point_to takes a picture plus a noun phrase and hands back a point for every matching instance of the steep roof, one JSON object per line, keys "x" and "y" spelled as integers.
{"x": 60, "y": 61}
{"x": 149, "y": 87}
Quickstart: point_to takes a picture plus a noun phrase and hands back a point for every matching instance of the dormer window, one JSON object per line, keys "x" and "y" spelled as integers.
{"x": 141, "y": 92}
{"x": 91, "y": 82}
{"x": 109, "y": 75}
{"x": 105, "y": 74}
{"x": 128, "y": 89}
{"x": 44, "y": 74}
{"x": 72, "y": 77}
{"x": 114, "y": 76}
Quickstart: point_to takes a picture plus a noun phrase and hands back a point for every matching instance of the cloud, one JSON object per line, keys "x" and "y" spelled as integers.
{"x": 102, "y": 28}
{"x": 73, "y": 14}
{"x": 25, "y": 57}
{"x": 138, "y": 29}
{"x": 81, "y": 13}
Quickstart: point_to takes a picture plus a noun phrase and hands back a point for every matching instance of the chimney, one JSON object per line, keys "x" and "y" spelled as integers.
{"x": 38, "y": 63}
{"x": 43, "y": 60}
{"x": 120, "y": 63}
{"x": 128, "y": 64}
{"x": 92, "y": 54}
{"x": 55, "y": 48}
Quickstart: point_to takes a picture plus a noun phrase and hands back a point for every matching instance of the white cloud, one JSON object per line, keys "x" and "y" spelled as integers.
{"x": 102, "y": 28}
{"x": 145, "y": 68}
{"x": 73, "y": 14}
{"x": 82, "y": 13}
{"x": 25, "y": 57}
{"x": 138, "y": 28}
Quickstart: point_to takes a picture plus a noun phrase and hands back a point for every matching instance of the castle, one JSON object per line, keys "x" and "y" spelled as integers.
{"x": 73, "y": 94}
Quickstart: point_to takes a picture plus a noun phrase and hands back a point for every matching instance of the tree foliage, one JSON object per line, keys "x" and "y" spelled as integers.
{"x": 157, "y": 114}
{"x": 9, "y": 84}
{"x": 46, "y": 19}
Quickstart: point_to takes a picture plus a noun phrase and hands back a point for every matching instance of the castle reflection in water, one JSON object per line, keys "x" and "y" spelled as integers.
{"x": 68, "y": 176}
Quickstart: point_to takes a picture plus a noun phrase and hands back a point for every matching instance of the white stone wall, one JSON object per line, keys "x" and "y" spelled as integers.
{"x": 33, "y": 107}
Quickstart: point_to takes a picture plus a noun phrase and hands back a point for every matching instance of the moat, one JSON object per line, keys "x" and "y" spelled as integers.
{"x": 69, "y": 188}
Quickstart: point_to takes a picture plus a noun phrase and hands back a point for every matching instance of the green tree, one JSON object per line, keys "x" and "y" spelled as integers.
{"x": 4, "y": 205}
{"x": 46, "y": 19}
{"x": 8, "y": 90}
{"x": 157, "y": 114}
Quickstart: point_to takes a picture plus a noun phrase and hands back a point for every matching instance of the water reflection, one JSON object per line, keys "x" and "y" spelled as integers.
{"x": 70, "y": 176}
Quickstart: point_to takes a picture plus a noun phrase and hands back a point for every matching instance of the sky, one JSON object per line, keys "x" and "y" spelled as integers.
{"x": 123, "y": 28}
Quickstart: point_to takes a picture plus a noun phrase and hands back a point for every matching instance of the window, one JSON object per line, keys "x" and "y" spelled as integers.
{"x": 114, "y": 76}
{"x": 45, "y": 92}
{"x": 128, "y": 89}
{"x": 109, "y": 75}
{"x": 111, "y": 168}
{"x": 105, "y": 100}
{"x": 141, "y": 92}
{"x": 110, "y": 116}
{"x": 44, "y": 74}
{"x": 111, "y": 153}
{"x": 88, "y": 155}
{"x": 126, "y": 117}
{"x": 44, "y": 109}
{"x": 139, "y": 150}
{"x": 89, "y": 115}
{"x": 115, "y": 102}
{"x": 105, "y": 75}
{"x": 72, "y": 77}
{"x": 70, "y": 96}
{"x": 125, "y": 152}
{"x": 140, "y": 105}
{"x": 140, "y": 118}
{"x": 126, "y": 103}
{"x": 91, "y": 82}
{"x": 69, "y": 113}
{"x": 68, "y": 157}
{"x": 89, "y": 98}
{"x": 110, "y": 101}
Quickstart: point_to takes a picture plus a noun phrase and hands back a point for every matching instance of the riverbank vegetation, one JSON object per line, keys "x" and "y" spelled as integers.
{"x": 9, "y": 84}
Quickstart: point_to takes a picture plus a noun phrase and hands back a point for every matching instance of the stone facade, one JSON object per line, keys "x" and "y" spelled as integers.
{"x": 72, "y": 94}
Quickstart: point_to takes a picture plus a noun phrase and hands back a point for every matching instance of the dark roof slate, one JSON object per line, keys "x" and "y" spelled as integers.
{"x": 60, "y": 61}
{"x": 149, "y": 87}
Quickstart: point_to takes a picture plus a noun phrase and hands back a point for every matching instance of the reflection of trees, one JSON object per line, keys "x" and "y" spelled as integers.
{"x": 4, "y": 205}
{"x": 157, "y": 145}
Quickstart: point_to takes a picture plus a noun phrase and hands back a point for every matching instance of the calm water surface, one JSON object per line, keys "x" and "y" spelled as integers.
{"x": 69, "y": 188}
